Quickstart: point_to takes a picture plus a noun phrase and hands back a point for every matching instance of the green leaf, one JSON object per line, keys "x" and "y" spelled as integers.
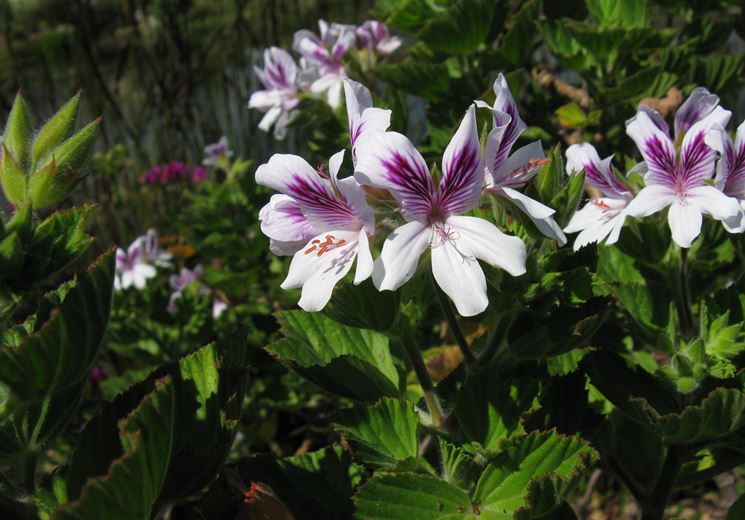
{"x": 427, "y": 80}
{"x": 718, "y": 73}
{"x": 719, "y": 414}
{"x": 60, "y": 353}
{"x": 57, "y": 129}
{"x": 410, "y": 496}
{"x": 314, "y": 485}
{"x": 517, "y": 43}
{"x": 407, "y": 15}
{"x": 572, "y": 115}
{"x": 651, "y": 82}
{"x": 489, "y": 411}
{"x": 459, "y": 465}
{"x": 352, "y": 362}
{"x": 461, "y": 27}
{"x": 535, "y": 472}
{"x": 627, "y": 14}
{"x": 11, "y": 254}
{"x": 133, "y": 481}
{"x": 548, "y": 180}
{"x": 385, "y": 434}
{"x": 363, "y": 306}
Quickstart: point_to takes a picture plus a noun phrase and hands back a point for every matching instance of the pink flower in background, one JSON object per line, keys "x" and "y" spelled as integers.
{"x": 174, "y": 172}
{"x": 335, "y": 209}
{"x": 374, "y": 35}
{"x": 603, "y": 217}
{"x": 132, "y": 267}
{"x": 435, "y": 216}
{"x": 199, "y": 174}
{"x": 677, "y": 175}
{"x": 179, "y": 282}
{"x": 730, "y": 176}
{"x": 504, "y": 173}
{"x": 322, "y": 58}
{"x": 280, "y": 95}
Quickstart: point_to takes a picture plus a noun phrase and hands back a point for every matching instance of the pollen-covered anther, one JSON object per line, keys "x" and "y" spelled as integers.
{"x": 599, "y": 204}
{"x": 330, "y": 242}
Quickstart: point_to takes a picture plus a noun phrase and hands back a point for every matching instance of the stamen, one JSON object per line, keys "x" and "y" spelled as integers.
{"x": 330, "y": 243}
{"x": 599, "y": 203}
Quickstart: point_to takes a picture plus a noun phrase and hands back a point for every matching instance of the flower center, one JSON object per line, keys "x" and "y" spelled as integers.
{"x": 329, "y": 243}
{"x": 442, "y": 234}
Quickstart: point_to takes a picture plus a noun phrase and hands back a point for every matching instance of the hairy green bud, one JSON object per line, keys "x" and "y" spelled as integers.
{"x": 18, "y": 133}
{"x": 12, "y": 177}
{"x": 59, "y": 128}
{"x": 53, "y": 181}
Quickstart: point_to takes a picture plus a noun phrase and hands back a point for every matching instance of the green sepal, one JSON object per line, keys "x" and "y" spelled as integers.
{"x": 58, "y": 129}
{"x": 12, "y": 177}
{"x": 54, "y": 181}
{"x": 11, "y": 254}
{"x": 18, "y": 132}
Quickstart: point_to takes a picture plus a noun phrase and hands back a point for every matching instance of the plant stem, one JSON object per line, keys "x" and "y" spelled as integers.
{"x": 415, "y": 357}
{"x": 447, "y": 310}
{"x": 686, "y": 320}
{"x": 654, "y": 507}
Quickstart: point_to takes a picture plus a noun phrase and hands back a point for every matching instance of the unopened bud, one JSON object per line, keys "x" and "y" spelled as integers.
{"x": 59, "y": 128}
{"x": 18, "y": 133}
{"x": 53, "y": 181}
{"x": 12, "y": 177}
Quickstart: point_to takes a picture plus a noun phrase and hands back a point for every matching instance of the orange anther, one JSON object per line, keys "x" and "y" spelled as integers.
{"x": 328, "y": 244}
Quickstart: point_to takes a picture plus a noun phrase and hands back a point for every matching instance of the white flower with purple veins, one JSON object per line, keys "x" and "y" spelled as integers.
{"x": 217, "y": 153}
{"x": 678, "y": 177}
{"x": 435, "y": 216}
{"x": 364, "y": 119}
{"x": 730, "y": 177}
{"x": 603, "y": 217}
{"x": 322, "y": 58}
{"x": 374, "y": 35}
{"x": 283, "y": 222}
{"x": 280, "y": 97}
{"x": 152, "y": 251}
{"x": 338, "y": 212}
{"x": 504, "y": 173}
{"x": 132, "y": 268}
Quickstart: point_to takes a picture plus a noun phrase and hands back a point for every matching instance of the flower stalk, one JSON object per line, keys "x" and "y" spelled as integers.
{"x": 460, "y": 338}
{"x": 420, "y": 369}
{"x": 684, "y": 299}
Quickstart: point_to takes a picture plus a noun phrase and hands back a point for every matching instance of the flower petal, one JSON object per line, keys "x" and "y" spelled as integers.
{"x": 280, "y": 68}
{"x": 463, "y": 171}
{"x": 400, "y": 255}
{"x": 362, "y": 116}
{"x": 389, "y": 161}
{"x": 521, "y": 166}
{"x": 486, "y": 242}
{"x": 650, "y": 200}
{"x": 539, "y": 213}
{"x": 698, "y": 105}
{"x": 270, "y": 118}
{"x": 460, "y": 276}
{"x": 293, "y": 176}
{"x": 364, "y": 259}
{"x": 506, "y": 103}
{"x": 494, "y": 152}
{"x": 655, "y": 147}
{"x": 598, "y": 173}
{"x": 696, "y": 157}
{"x": 685, "y": 222}
{"x": 713, "y": 202}
{"x": 284, "y": 223}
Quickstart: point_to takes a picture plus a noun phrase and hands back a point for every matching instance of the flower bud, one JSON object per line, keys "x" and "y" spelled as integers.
{"x": 12, "y": 177}
{"x": 56, "y": 130}
{"x": 53, "y": 181}
{"x": 18, "y": 133}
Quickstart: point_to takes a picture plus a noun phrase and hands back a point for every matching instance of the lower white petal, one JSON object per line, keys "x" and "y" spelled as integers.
{"x": 539, "y": 213}
{"x": 364, "y": 259}
{"x": 269, "y": 118}
{"x": 713, "y": 202}
{"x": 400, "y": 255}
{"x": 460, "y": 276}
{"x": 685, "y": 222}
{"x": 486, "y": 242}
{"x": 650, "y": 200}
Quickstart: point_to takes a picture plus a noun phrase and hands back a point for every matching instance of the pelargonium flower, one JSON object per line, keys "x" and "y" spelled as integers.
{"x": 215, "y": 154}
{"x": 179, "y": 283}
{"x": 504, "y": 173}
{"x": 435, "y": 216}
{"x": 374, "y": 35}
{"x": 730, "y": 176}
{"x": 364, "y": 119}
{"x": 322, "y": 58}
{"x": 280, "y": 97}
{"x": 335, "y": 208}
{"x": 603, "y": 217}
{"x": 676, "y": 177}
{"x": 151, "y": 250}
{"x": 282, "y": 220}
{"x": 218, "y": 307}
{"x": 132, "y": 268}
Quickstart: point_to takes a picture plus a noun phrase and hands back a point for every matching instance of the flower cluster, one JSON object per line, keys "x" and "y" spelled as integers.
{"x": 174, "y": 172}
{"x": 679, "y": 172}
{"x": 326, "y": 222}
{"x": 321, "y": 70}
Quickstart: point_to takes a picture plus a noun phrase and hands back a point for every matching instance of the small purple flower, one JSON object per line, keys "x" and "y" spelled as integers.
{"x": 151, "y": 249}
{"x": 132, "y": 267}
{"x": 199, "y": 174}
{"x": 216, "y": 154}
{"x": 374, "y": 35}
{"x": 179, "y": 283}
{"x": 678, "y": 170}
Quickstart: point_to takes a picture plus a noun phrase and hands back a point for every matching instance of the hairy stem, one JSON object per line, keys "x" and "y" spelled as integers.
{"x": 415, "y": 357}
{"x": 654, "y": 507}
{"x": 447, "y": 310}
{"x": 686, "y": 320}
